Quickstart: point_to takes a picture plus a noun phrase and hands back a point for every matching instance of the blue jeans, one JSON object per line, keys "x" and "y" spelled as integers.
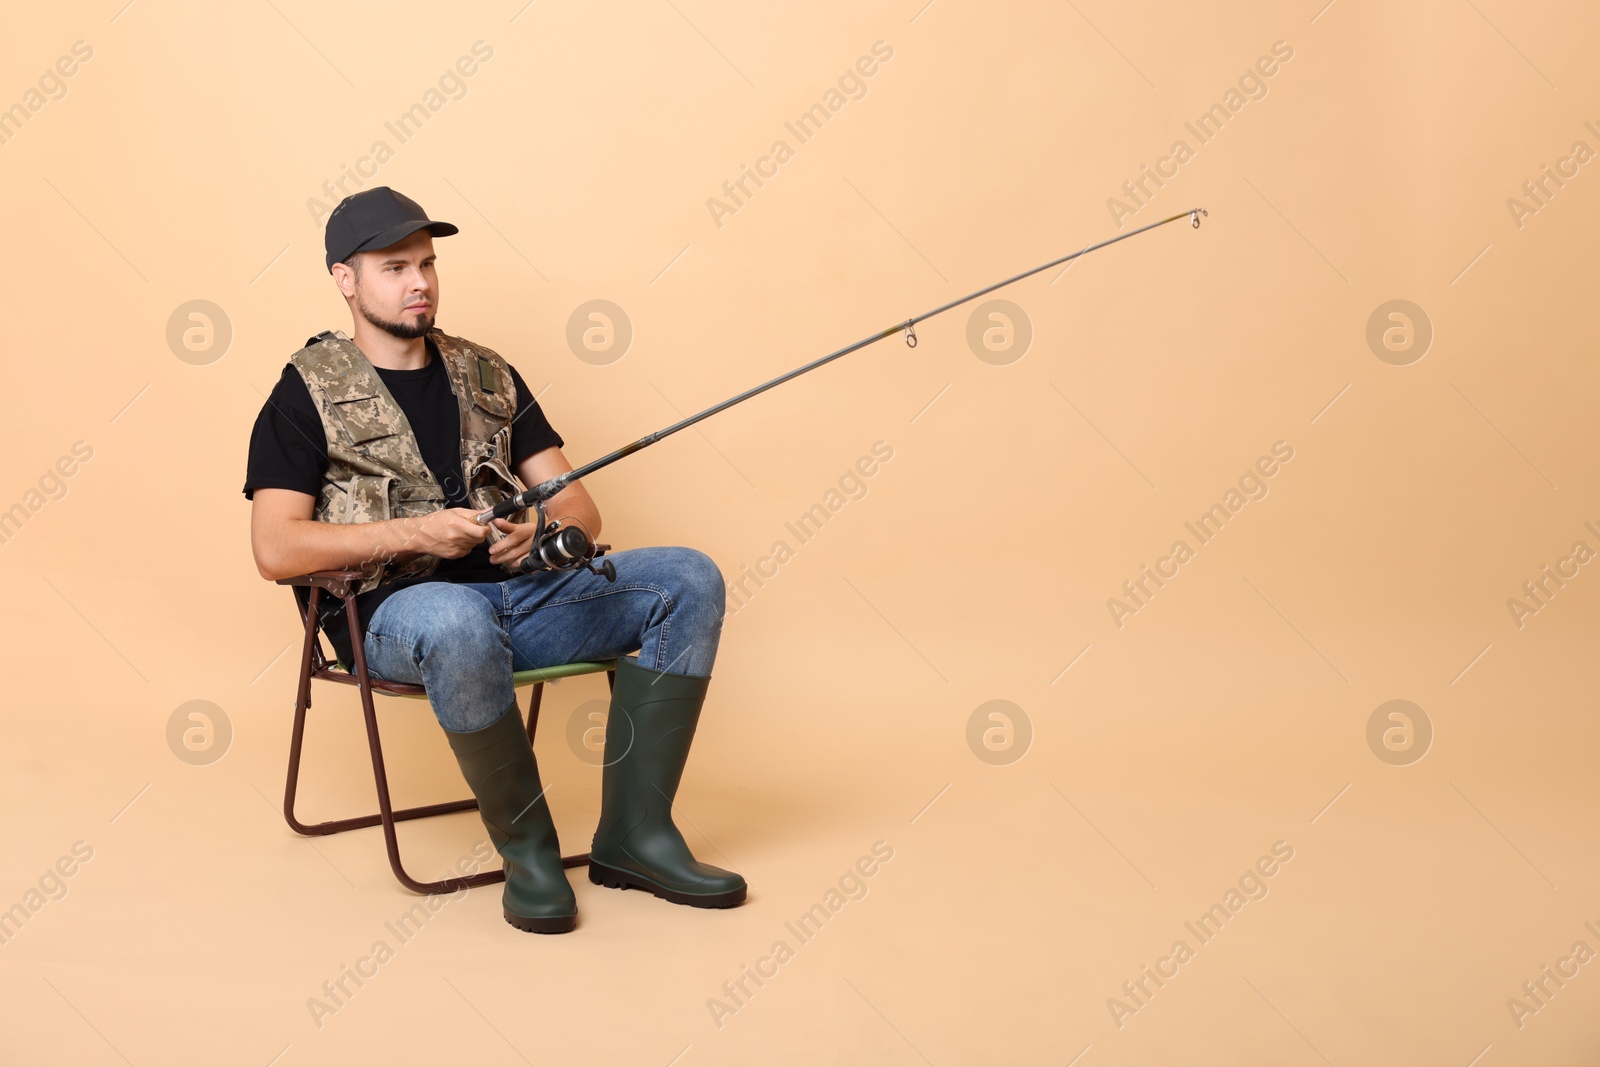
{"x": 464, "y": 640}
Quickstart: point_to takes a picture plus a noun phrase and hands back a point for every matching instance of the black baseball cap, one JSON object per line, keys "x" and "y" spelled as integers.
{"x": 376, "y": 218}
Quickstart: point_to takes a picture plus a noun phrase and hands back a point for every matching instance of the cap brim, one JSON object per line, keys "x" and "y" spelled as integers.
{"x": 395, "y": 234}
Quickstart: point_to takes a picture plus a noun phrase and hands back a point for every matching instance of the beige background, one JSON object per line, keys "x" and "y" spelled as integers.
{"x": 1229, "y": 714}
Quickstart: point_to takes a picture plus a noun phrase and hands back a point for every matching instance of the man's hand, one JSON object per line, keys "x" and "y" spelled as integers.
{"x": 448, "y": 534}
{"x": 516, "y": 543}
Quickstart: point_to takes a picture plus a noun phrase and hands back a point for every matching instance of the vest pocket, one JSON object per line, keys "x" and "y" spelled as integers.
{"x": 376, "y": 497}
{"x": 488, "y": 416}
{"x": 407, "y": 502}
{"x": 365, "y": 418}
{"x": 367, "y": 498}
{"x": 490, "y": 482}
{"x": 495, "y": 404}
{"x": 410, "y": 500}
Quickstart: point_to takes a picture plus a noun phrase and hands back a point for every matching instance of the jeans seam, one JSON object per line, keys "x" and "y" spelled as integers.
{"x": 666, "y": 598}
{"x": 641, "y": 587}
{"x": 661, "y": 643}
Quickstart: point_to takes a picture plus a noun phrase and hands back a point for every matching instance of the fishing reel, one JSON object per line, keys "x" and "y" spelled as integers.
{"x": 565, "y": 548}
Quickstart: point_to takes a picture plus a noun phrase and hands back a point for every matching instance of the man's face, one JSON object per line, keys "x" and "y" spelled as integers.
{"x": 397, "y": 289}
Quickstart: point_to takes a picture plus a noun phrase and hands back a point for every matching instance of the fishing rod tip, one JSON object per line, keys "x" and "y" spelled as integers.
{"x": 1194, "y": 216}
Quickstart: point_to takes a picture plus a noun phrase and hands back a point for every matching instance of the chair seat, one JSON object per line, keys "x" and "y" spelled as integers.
{"x": 518, "y": 679}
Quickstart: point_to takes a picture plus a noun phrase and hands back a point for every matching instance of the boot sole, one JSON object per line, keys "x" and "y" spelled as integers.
{"x": 556, "y": 924}
{"x": 612, "y": 878}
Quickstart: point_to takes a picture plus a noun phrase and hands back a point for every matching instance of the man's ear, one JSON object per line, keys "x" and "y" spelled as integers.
{"x": 345, "y": 278}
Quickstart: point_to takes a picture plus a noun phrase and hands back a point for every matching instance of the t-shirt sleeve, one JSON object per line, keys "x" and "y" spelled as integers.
{"x": 531, "y": 432}
{"x": 288, "y": 447}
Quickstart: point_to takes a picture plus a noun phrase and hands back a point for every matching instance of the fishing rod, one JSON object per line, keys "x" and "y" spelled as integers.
{"x": 562, "y": 548}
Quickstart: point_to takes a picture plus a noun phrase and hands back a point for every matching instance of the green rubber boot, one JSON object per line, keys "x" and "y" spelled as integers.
{"x": 636, "y": 846}
{"x": 498, "y": 765}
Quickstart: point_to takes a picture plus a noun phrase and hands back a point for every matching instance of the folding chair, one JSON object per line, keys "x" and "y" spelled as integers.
{"x": 314, "y": 663}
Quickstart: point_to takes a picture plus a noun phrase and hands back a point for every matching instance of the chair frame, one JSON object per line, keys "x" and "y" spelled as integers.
{"x": 314, "y": 663}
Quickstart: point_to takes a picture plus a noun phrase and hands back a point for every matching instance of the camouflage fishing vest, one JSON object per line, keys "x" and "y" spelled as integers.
{"x": 375, "y": 466}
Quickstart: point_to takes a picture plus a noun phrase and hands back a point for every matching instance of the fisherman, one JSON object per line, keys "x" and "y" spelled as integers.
{"x": 377, "y": 451}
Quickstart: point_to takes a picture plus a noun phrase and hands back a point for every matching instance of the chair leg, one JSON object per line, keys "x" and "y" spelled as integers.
{"x": 296, "y": 747}
{"x": 535, "y": 698}
{"x": 302, "y": 703}
{"x": 381, "y": 780}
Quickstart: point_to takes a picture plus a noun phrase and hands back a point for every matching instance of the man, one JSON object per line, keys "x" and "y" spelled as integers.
{"x": 377, "y": 451}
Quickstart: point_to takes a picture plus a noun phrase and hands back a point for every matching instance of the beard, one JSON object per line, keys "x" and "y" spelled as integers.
{"x": 409, "y": 330}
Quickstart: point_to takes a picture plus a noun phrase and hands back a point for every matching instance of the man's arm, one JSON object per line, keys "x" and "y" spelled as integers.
{"x": 287, "y": 541}
{"x": 573, "y": 501}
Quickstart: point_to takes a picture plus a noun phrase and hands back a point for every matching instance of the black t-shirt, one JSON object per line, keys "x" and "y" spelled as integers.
{"x": 289, "y": 450}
